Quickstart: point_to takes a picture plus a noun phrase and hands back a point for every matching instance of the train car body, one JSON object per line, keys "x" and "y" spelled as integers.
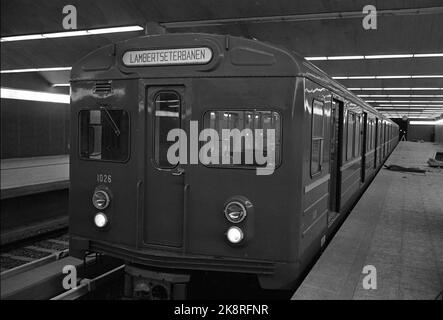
{"x": 126, "y": 97}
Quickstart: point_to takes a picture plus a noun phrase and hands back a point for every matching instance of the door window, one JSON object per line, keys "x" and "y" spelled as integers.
{"x": 167, "y": 117}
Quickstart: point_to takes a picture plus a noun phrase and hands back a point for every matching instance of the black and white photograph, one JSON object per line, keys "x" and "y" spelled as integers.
{"x": 233, "y": 157}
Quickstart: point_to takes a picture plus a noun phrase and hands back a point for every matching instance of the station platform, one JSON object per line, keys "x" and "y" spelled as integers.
{"x": 24, "y": 176}
{"x": 34, "y": 196}
{"x": 397, "y": 227}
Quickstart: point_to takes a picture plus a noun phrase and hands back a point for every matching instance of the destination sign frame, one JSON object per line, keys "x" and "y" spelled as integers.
{"x": 167, "y": 57}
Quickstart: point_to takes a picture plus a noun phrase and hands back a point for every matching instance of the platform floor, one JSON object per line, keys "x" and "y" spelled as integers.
{"x": 397, "y": 226}
{"x": 23, "y": 176}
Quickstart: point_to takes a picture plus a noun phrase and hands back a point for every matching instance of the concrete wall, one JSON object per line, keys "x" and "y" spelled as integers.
{"x": 31, "y": 129}
{"x": 439, "y": 133}
{"x": 421, "y": 132}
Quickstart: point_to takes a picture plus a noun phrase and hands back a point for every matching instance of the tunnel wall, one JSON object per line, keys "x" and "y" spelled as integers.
{"x": 32, "y": 129}
{"x": 421, "y": 132}
{"x": 439, "y": 133}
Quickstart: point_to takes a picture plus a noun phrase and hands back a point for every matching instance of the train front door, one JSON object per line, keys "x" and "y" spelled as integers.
{"x": 335, "y": 156}
{"x": 163, "y": 208}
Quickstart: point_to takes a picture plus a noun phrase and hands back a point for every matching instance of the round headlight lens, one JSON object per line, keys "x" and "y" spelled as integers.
{"x": 100, "y": 220}
{"x": 100, "y": 199}
{"x": 235, "y": 212}
{"x": 235, "y": 235}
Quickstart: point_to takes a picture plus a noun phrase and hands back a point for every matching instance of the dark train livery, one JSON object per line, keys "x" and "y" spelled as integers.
{"x": 127, "y": 200}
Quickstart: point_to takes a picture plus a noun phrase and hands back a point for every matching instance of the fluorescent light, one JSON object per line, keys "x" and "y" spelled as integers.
{"x": 410, "y": 105}
{"x": 425, "y": 88}
{"x": 427, "y": 76}
{"x": 75, "y": 33}
{"x": 393, "y": 89}
{"x": 394, "y": 109}
{"x": 393, "y": 77}
{"x": 29, "y": 95}
{"x": 346, "y": 57}
{"x": 405, "y": 101}
{"x": 377, "y": 56}
{"x": 61, "y": 85}
{"x": 390, "y": 77}
{"x": 428, "y": 55}
{"x": 361, "y": 77}
{"x": 316, "y": 58}
{"x": 401, "y": 95}
{"x": 433, "y": 123}
{"x": 36, "y": 70}
{"x": 388, "y": 56}
{"x": 353, "y": 77}
{"x": 115, "y": 30}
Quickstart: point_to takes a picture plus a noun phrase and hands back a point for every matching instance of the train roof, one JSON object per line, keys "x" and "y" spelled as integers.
{"x": 202, "y": 55}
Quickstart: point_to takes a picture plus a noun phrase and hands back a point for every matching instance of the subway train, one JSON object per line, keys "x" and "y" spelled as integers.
{"x": 137, "y": 104}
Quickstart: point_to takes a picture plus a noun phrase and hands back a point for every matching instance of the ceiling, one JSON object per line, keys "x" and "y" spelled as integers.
{"x": 312, "y": 28}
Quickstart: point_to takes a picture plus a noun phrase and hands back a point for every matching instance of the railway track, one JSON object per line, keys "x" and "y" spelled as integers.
{"x": 43, "y": 279}
{"x": 34, "y": 270}
{"x": 30, "y": 250}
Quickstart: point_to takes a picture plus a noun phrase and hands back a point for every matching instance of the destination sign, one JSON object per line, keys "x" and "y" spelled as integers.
{"x": 167, "y": 57}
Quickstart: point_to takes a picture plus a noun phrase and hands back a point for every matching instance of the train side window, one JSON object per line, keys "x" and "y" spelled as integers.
{"x": 317, "y": 133}
{"x": 251, "y": 125}
{"x": 368, "y": 136}
{"x": 167, "y": 117}
{"x": 104, "y": 134}
{"x": 350, "y": 135}
{"x": 357, "y": 136}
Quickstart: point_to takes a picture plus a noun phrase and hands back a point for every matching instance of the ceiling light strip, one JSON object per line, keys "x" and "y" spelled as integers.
{"x": 17, "y": 94}
{"x": 377, "y": 56}
{"x": 61, "y": 85}
{"x": 400, "y": 95}
{"x": 394, "y": 89}
{"x": 404, "y": 101}
{"x": 36, "y": 70}
{"x": 75, "y": 33}
{"x": 433, "y": 123}
{"x": 388, "y": 77}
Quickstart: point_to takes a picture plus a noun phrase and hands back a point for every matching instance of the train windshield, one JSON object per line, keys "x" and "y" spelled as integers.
{"x": 104, "y": 134}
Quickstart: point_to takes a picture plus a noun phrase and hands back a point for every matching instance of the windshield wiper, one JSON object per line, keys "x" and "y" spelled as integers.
{"x": 111, "y": 120}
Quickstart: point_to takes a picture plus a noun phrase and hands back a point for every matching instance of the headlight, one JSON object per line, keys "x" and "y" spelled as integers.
{"x": 100, "y": 199}
{"x": 235, "y": 235}
{"x": 100, "y": 220}
{"x": 235, "y": 212}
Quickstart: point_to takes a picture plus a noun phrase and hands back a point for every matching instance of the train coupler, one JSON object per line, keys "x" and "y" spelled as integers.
{"x": 143, "y": 284}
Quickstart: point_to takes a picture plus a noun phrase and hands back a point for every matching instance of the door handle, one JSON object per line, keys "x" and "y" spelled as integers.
{"x": 178, "y": 171}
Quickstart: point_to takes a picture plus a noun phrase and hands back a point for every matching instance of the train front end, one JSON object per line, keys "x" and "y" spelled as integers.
{"x": 177, "y": 158}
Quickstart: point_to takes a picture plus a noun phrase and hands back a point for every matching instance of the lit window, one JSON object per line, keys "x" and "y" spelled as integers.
{"x": 252, "y": 126}
{"x": 167, "y": 118}
{"x": 317, "y": 132}
{"x": 104, "y": 134}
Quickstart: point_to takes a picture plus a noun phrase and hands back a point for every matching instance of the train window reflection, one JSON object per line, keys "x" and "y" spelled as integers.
{"x": 104, "y": 134}
{"x": 357, "y": 136}
{"x": 317, "y": 136}
{"x": 350, "y": 135}
{"x": 167, "y": 118}
{"x": 253, "y": 128}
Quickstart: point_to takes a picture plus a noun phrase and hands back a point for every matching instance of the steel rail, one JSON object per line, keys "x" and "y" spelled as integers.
{"x": 88, "y": 285}
{"x": 34, "y": 264}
